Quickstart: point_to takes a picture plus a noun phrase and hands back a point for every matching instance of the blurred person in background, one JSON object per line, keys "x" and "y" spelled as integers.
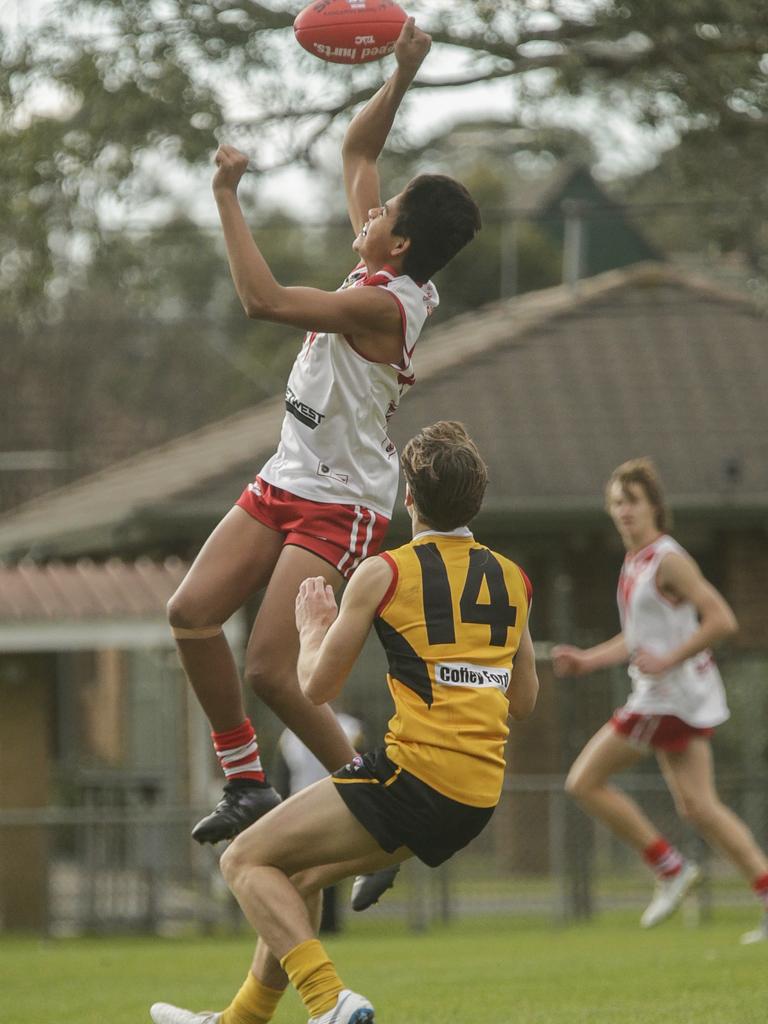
{"x": 670, "y": 618}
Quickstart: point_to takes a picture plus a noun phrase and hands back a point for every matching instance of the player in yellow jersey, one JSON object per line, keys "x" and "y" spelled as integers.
{"x": 453, "y": 618}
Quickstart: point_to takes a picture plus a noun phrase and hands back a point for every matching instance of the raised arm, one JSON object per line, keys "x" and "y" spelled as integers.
{"x": 329, "y": 644}
{"x": 366, "y": 314}
{"x": 368, "y": 130}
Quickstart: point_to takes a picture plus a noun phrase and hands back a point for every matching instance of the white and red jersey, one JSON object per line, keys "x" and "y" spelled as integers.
{"x": 692, "y": 691}
{"x": 334, "y": 445}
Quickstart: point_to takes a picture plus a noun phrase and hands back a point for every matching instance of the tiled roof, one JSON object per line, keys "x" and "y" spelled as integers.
{"x": 557, "y": 386}
{"x": 58, "y": 592}
{"x": 662, "y": 365}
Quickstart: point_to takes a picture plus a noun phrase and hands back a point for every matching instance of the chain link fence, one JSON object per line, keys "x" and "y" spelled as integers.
{"x": 118, "y": 863}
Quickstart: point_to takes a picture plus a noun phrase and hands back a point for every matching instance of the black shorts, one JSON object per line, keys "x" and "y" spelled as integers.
{"x": 400, "y": 810}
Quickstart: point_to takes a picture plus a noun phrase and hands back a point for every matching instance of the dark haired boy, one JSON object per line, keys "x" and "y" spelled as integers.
{"x": 322, "y": 503}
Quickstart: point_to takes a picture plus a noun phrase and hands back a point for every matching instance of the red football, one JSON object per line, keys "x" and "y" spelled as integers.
{"x": 349, "y": 31}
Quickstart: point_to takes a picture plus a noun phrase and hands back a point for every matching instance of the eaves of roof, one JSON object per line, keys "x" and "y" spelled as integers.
{"x": 91, "y": 512}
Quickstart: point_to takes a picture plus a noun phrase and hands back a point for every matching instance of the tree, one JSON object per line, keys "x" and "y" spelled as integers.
{"x": 114, "y": 296}
{"x": 145, "y": 86}
{"x": 710, "y": 195}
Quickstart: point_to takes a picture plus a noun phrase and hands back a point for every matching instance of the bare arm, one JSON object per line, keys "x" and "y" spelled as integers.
{"x": 524, "y": 685}
{"x": 679, "y": 579}
{"x": 568, "y": 660}
{"x": 367, "y": 132}
{"x": 330, "y": 644}
{"x": 367, "y": 314}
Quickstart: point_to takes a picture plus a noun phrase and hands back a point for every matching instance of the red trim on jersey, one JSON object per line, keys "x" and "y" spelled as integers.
{"x": 659, "y": 592}
{"x": 403, "y": 318}
{"x": 393, "y": 583}
{"x": 528, "y": 584}
{"x": 628, "y": 574}
{"x": 385, "y": 274}
{"x": 403, "y": 325}
{"x": 356, "y": 350}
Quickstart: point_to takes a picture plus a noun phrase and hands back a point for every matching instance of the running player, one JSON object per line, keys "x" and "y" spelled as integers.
{"x": 323, "y": 501}
{"x": 670, "y": 617}
{"x": 452, "y": 616}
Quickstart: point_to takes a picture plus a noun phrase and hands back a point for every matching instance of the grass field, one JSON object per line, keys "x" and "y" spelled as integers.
{"x": 480, "y": 972}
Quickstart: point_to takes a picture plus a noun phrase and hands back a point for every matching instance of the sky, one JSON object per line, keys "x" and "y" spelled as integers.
{"x": 621, "y": 145}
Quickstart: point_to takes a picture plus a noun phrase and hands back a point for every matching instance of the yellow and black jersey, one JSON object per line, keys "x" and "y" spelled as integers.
{"x": 451, "y": 623}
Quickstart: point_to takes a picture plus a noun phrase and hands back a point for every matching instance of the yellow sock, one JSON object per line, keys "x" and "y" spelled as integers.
{"x": 255, "y": 1003}
{"x": 313, "y": 975}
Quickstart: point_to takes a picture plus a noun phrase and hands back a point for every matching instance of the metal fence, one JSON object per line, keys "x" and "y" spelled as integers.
{"x": 130, "y": 866}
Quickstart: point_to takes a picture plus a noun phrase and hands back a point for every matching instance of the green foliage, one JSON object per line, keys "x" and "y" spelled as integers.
{"x": 109, "y": 104}
{"x": 718, "y": 186}
{"x": 137, "y": 79}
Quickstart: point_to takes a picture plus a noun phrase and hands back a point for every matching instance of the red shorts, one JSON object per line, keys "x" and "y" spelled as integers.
{"x": 666, "y": 732}
{"x": 340, "y": 534}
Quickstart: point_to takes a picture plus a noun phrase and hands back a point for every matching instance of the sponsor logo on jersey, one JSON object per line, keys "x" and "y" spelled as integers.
{"x": 323, "y": 469}
{"x": 304, "y": 413}
{"x": 455, "y": 673}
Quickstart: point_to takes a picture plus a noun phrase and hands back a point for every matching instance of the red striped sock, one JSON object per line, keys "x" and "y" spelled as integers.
{"x": 663, "y": 858}
{"x": 760, "y": 888}
{"x": 238, "y": 753}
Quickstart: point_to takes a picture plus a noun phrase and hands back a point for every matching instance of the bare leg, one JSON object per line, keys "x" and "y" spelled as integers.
{"x": 604, "y": 755}
{"x": 266, "y": 967}
{"x": 312, "y": 829}
{"x": 272, "y": 653}
{"x": 234, "y": 563}
{"x": 311, "y": 884}
{"x": 690, "y": 777}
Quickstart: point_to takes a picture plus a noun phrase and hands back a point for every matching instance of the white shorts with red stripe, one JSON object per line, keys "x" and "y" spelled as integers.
{"x": 340, "y": 534}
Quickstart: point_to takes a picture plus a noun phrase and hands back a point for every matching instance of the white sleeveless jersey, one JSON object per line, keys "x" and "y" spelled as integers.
{"x": 692, "y": 691}
{"x": 333, "y": 443}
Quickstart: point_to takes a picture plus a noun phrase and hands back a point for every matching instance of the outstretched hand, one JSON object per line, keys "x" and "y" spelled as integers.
{"x": 567, "y": 660}
{"x": 315, "y": 604}
{"x": 231, "y": 165}
{"x": 412, "y": 46}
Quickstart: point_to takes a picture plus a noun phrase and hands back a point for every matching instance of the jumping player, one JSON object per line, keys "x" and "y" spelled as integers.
{"x": 670, "y": 617}
{"x": 323, "y": 501}
{"x": 452, "y": 616}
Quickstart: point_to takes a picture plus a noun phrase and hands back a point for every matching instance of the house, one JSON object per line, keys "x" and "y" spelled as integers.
{"x": 557, "y": 387}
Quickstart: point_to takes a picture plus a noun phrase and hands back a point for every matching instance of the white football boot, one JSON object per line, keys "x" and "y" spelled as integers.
{"x": 759, "y": 934}
{"x": 350, "y": 1008}
{"x": 164, "y": 1013}
{"x": 368, "y": 889}
{"x": 669, "y": 894}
